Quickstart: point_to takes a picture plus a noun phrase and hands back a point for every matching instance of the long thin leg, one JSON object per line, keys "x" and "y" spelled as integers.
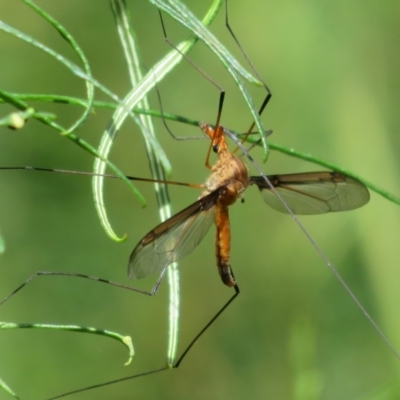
{"x": 38, "y": 274}
{"x": 269, "y": 93}
{"x": 91, "y": 174}
{"x": 237, "y": 291}
{"x": 221, "y": 90}
{"x": 176, "y": 365}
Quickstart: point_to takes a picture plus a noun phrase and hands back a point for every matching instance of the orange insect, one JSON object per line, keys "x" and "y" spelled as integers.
{"x": 304, "y": 193}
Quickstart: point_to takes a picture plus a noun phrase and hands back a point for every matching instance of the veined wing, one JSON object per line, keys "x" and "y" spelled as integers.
{"x": 313, "y": 192}
{"x": 174, "y": 238}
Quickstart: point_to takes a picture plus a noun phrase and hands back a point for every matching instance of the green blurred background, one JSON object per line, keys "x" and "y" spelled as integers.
{"x": 293, "y": 333}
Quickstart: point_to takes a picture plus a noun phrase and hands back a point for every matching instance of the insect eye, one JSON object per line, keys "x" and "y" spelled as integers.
{"x": 215, "y": 148}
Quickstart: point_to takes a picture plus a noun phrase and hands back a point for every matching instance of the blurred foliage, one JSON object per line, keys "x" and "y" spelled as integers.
{"x": 293, "y": 333}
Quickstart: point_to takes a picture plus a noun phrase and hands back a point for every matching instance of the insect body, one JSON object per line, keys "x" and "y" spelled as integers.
{"x": 304, "y": 193}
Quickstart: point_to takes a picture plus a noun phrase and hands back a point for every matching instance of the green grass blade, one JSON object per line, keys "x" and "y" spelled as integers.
{"x": 125, "y": 340}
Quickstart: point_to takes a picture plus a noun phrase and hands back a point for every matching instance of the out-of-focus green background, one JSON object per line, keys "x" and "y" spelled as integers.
{"x": 293, "y": 333}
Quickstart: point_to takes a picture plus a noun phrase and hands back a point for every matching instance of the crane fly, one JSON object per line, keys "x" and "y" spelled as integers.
{"x": 308, "y": 193}
{"x": 304, "y": 193}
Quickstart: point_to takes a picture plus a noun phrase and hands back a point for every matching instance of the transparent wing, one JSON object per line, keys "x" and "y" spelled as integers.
{"x": 313, "y": 192}
{"x": 173, "y": 239}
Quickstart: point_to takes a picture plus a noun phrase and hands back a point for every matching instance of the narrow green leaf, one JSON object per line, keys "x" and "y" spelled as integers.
{"x": 125, "y": 340}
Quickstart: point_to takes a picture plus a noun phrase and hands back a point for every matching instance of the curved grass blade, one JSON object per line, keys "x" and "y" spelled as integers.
{"x": 125, "y": 340}
{"x": 72, "y": 42}
{"x": 139, "y": 91}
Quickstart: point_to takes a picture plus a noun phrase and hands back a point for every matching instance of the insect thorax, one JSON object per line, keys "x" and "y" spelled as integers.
{"x": 231, "y": 172}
